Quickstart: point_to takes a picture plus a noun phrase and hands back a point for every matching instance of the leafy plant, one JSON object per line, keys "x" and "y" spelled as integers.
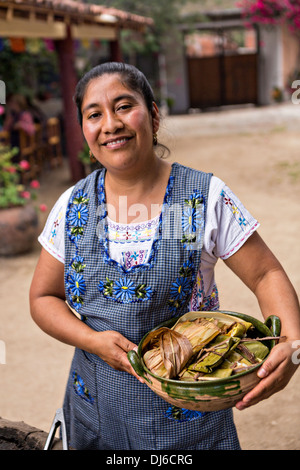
{"x": 12, "y": 192}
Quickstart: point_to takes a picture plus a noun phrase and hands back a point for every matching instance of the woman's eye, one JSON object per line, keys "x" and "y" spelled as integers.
{"x": 94, "y": 115}
{"x": 124, "y": 106}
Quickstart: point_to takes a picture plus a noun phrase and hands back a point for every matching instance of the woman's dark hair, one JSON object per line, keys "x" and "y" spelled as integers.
{"x": 131, "y": 77}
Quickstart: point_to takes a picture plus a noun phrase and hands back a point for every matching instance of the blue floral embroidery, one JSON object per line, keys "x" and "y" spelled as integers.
{"x": 124, "y": 291}
{"x": 192, "y": 221}
{"x": 181, "y": 288}
{"x": 192, "y": 227}
{"x": 80, "y": 388}
{"x": 182, "y": 414}
{"x": 78, "y": 215}
{"x": 77, "y": 284}
{"x": 76, "y": 219}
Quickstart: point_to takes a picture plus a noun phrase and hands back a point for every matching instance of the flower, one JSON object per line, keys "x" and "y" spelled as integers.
{"x": 80, "y": 388}
{"x": 191, "y": 219}
{"x": 77, "y": 285}
{"x": 12, "y": 191}
{"x": 180, "y": 288}
{"x": 272, "y": 12}
{"x": 24, "y": 165}
{"x": 34, "y": 184}
{"x": 25, "y": 194}
{"x": 124, "y": 289}
{"x": 78, "y": 215}
{"x": 43, "y": 207}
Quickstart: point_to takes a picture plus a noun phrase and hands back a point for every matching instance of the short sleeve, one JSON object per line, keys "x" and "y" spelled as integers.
{"x": 228, "y": 223}
{"x": 52, "y": 237}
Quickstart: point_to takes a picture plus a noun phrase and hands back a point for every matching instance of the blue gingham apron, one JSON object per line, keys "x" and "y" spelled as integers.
{"x": 108, "y": 409}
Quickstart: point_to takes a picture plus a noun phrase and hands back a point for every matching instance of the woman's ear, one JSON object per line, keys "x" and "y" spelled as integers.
{"x": 155, "y": 118}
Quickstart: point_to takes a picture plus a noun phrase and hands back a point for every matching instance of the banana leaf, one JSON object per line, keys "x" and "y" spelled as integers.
{"x": 154, "y": 362}
{"x": 254, "y": 351}
{"x": 239, "y": 328}
{"x": 211, "y": 357}
{"x": 199, "y": 332}
{"x": 236, "y": 362}
{"x": 193, "y": 375}
{"x": 219, "y": 373}
{"x": 171, "y": 355}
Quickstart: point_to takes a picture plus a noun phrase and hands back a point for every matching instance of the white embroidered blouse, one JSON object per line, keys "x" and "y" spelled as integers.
{"x": 228, "y": 226}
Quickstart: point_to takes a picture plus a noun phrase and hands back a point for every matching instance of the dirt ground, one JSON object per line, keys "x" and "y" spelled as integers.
{"x": 256, "y": 152}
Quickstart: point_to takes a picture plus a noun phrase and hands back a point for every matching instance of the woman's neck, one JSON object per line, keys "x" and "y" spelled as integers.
{"x": 137, "y": 197}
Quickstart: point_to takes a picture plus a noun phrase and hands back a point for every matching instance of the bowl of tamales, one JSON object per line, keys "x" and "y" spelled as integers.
{"x": 205, "y": 361}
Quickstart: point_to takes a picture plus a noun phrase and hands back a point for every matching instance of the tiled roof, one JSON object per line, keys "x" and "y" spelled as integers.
{"x": 73, "y": 7}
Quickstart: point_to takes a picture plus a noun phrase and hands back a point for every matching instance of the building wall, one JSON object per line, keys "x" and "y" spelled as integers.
{"x": 270, "y": 63}
{"x": 291, "y": 56}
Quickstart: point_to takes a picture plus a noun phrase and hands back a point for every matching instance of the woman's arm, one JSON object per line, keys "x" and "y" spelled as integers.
{"x": 259, "y": 269}
{"x": 52, "y": 315}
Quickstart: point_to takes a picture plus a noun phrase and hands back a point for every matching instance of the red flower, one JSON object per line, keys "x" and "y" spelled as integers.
{"x": 24, "y": 165}
{"x": 11, "y": 169}
{"x": 43, "y": 207}
{"x": 35, "y": 184}
{"x": 25, "y": 194}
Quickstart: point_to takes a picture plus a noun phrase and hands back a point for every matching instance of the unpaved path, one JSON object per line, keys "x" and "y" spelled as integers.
{"x": 256, "y": 152}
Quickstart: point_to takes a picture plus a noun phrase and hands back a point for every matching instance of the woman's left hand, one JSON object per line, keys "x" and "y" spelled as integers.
{"x": 275, "y": 373}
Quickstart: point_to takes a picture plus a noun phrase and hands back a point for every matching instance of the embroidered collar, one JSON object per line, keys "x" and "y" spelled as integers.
{"x": 103, "y": 224}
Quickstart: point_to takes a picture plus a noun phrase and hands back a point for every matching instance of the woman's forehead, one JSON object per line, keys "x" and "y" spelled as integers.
{"x": 107, "y": 85}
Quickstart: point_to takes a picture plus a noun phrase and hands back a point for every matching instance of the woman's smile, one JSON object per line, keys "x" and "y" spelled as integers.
{"x": 116, "y": 143}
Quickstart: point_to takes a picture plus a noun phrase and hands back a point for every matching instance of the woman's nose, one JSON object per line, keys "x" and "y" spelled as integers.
{"x": 111, "y": 122}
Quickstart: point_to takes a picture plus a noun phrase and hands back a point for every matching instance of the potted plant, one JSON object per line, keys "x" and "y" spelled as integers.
{"x": 18, "y": 216}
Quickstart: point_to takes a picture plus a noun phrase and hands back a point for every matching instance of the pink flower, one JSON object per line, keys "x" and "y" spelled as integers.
{"x": 2, "y": 110}
{"x": 24, "y": 165}
{"x": 25, "y": 194}
{"x": 11, "y": 169}
{"x": 43, "y": 207}
{"x": 35, "y": 184}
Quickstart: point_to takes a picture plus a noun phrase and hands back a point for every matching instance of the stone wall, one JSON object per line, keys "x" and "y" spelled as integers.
{"x": 21, "y": 436}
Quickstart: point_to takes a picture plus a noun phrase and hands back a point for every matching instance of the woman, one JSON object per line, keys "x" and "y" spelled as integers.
{"x": 132, "y": 245}
{"x": 18, "y": 118}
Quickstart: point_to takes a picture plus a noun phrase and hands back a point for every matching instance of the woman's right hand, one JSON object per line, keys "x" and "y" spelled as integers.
{"x": 113, "y": 347}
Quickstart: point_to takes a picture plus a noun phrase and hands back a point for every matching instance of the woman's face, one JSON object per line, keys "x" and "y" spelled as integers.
{"x": 117, "y": 124}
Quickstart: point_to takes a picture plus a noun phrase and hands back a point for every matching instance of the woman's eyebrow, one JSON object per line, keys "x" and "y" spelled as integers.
{"x": 115, "y": 100}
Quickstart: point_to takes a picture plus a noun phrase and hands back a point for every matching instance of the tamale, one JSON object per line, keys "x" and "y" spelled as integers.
{"x": 254, "y": 351}
{"x": 199, "y": 332}
{"x": 154, "y": 362}
{"x": 218, "y": 373}
{"x": 236, "y": 362}
{"x": 170, "y": 353}
{"x": 213, "y": 356}
{"x": 239, "y": 329}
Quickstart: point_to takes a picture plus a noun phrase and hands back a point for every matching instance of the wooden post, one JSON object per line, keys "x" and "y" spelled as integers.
{"x": 68, "y": 80}
{"x": 115, "y": 51}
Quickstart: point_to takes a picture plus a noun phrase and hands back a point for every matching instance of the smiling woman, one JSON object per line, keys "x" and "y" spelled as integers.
{"x": 123, "y": 277}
